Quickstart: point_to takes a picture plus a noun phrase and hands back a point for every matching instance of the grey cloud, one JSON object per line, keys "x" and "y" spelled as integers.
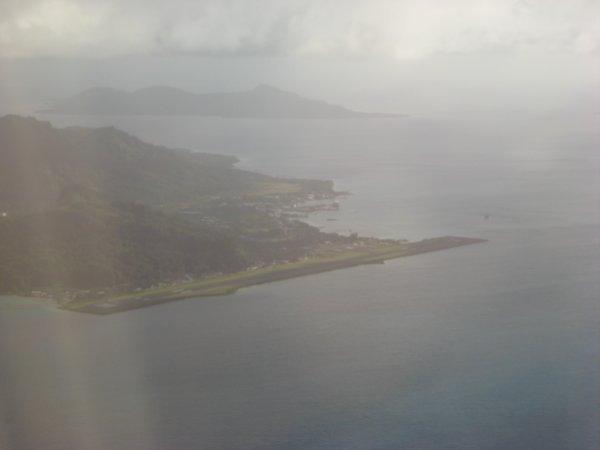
{"x": 393, "y": 28}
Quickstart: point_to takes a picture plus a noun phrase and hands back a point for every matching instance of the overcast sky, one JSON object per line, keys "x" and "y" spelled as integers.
{"x": 381, "y": 55}
{"x": 400, "y": 29}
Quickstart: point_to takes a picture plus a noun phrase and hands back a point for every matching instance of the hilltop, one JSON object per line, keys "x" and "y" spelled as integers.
{"x": 41, "y": 165}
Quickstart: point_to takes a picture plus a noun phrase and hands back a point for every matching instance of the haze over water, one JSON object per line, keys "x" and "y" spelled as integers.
{"x": 490, "y": 346}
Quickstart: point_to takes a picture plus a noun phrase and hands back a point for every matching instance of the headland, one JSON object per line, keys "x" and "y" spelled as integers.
{"x": 371, "y": 251}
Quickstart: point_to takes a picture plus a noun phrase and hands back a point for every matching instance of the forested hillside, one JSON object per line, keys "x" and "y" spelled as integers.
{"x": 40, "y": 163}
{"x": 100, "y": 209}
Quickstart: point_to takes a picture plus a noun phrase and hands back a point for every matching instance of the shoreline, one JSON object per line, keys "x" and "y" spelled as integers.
{"x": 376, "y": 253}
{"x": 18, "y": 301}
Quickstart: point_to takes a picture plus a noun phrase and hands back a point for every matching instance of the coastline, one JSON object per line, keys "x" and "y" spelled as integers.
{"x": 227, "y": 284}
{"x": 21, "y": 302}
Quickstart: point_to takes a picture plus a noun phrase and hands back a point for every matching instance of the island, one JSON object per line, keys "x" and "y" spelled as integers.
{"x": 263, "y": 101}
{"x": 99, "y": 222}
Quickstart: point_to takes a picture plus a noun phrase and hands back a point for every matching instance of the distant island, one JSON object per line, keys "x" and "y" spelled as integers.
{"x": 101, "y": 221}
{"x": 263, "y": 101}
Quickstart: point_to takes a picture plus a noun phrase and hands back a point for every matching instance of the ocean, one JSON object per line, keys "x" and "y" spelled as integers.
{"x": 489, "y": 346}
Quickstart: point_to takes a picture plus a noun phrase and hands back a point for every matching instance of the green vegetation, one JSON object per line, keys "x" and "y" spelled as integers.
{"x": 89, "y": 211}
{"x": 104, "y": 222}
{"x": 117, "y": 247}
{"x": 366, "y": 252}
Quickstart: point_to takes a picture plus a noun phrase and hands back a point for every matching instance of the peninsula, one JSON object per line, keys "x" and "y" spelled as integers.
{"x": 365, "y": 251}
{"x": 102, "y": 222}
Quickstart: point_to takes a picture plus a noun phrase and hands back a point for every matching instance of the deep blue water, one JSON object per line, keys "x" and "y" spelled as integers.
{"x": 490, "y": 346}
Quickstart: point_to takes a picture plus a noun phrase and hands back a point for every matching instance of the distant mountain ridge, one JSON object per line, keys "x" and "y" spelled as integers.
{"x": 263, "y": 101}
